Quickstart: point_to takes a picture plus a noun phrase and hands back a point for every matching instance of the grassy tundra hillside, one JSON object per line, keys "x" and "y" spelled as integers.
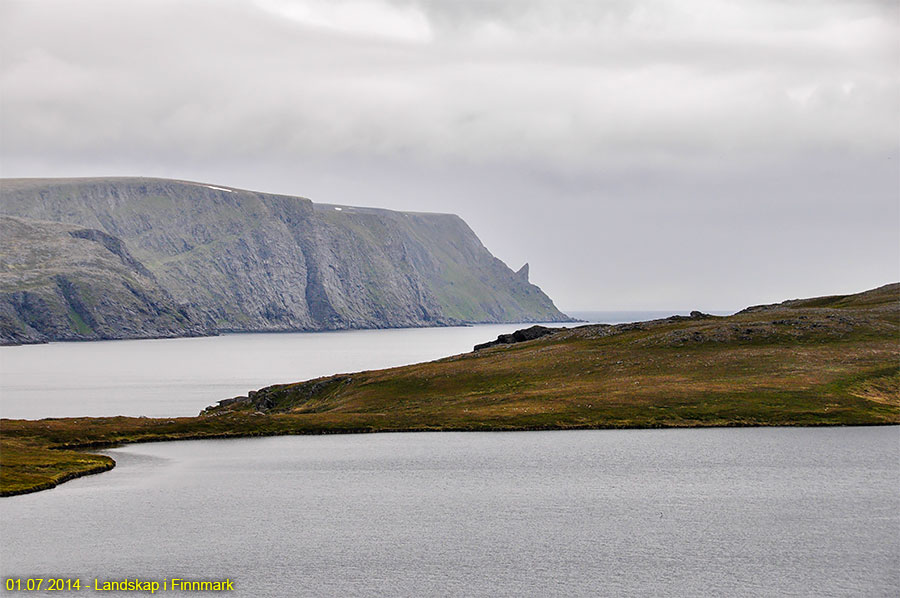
{"x": 825, "y": 361}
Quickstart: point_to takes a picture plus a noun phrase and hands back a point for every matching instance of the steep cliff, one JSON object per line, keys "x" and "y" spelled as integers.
{"x": 63, "y": 282}
{"x": 230, "y": 259}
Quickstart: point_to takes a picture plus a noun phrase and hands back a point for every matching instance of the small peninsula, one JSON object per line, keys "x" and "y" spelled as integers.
{"x": 824, "y": 361}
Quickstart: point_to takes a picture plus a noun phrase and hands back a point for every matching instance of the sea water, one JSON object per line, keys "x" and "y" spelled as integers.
{"x": 180, "y": 377}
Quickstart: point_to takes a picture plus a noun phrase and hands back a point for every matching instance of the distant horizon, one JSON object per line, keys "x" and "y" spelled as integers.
{"x": 709, "y": 310}
{"x": 766, "y": 299}
{"x": 580, "y": 313}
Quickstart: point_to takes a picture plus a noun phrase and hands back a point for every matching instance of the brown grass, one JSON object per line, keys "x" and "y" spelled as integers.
{"x": 799, "y": 365}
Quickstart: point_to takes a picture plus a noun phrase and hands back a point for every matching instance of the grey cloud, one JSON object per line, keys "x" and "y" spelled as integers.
{"x": 770, "y": 120}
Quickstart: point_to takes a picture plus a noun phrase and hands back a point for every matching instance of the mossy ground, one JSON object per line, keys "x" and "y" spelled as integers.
{"x": 29, "y": 466}
{"x": 792, "y": 365}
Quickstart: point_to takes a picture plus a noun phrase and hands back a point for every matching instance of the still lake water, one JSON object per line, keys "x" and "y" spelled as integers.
{"x": 716, "y": 512}
{"x": 735, "y": 512}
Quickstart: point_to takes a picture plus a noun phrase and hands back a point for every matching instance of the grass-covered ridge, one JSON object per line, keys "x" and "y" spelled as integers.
{"x": 828, "y": 361}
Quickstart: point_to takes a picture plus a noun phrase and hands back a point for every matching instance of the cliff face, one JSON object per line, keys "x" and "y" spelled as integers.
{"x": 63, "y": 282}
{"x": 229, "y": 259}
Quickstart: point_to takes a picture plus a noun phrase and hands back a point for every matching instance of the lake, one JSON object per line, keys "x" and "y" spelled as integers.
{"x": 180, "y": 377}
{"x": 714, "y": 512}
{"x": 737, "y": 512}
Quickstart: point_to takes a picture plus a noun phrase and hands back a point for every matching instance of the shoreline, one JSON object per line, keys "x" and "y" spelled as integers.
{"x": 111, "y": 463}
{"x": 814, "y": 362}
{"x": 49, "y": 485}
{"x": 236, "y": 331}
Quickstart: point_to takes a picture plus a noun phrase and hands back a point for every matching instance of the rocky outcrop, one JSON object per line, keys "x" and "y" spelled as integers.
{"x": 522, "y": 272}
{"x": 305, "y": 397}
{"x": 519, "y": 336}
{"x": 695, "y": 315}
{"x": 236, "y": 260}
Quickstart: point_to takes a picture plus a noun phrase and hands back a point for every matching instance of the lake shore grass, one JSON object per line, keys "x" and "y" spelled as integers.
{"x": 824, "y": 361}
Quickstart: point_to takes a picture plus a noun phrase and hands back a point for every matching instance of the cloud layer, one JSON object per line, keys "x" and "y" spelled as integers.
{"x": 688, "y": 114}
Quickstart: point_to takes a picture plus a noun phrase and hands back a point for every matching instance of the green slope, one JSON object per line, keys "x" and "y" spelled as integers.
{"x": 797, "y": 363}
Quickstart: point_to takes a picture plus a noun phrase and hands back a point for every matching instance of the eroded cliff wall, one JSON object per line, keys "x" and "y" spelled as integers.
{"x": 230, "y": 259}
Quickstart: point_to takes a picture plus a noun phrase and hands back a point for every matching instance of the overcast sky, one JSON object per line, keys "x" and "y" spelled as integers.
{"x": 639, "y": 154}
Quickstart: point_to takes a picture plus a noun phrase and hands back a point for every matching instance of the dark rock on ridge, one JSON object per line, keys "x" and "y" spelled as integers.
{"x": 519, "y": 336}
{"x": 695, "y": 315}
{"x": 205, "y": 259}
{"x": 306, "y": 397}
